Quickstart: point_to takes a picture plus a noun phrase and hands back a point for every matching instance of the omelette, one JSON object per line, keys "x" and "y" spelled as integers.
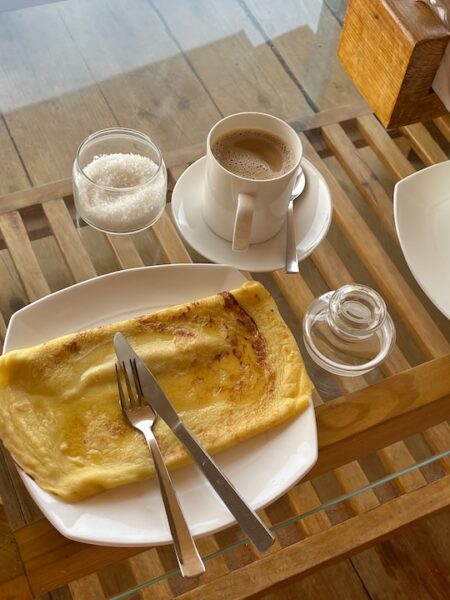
{"x": 228, "y": 363}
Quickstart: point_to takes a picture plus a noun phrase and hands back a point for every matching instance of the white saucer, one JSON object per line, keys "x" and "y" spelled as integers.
{"x": 312, "y": 213}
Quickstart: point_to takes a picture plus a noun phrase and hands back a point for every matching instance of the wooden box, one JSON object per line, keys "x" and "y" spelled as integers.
{"x": 391, "y": 49}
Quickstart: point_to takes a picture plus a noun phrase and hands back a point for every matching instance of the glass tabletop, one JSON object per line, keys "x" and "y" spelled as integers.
{"x": 171, "y": 69}
{"x": 336, "y": 509}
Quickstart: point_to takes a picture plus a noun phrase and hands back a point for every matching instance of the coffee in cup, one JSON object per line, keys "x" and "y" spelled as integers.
{"x": 252, "y": 162}
{"x": 253, "y": 153}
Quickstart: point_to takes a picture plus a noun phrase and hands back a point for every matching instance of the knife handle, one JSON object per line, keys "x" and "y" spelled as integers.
{"x": 191, "y": 565}
{"x": 244, "y": 515}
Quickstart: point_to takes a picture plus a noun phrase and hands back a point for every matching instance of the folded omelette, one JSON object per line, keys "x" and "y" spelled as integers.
{"x": 228, "y": 363}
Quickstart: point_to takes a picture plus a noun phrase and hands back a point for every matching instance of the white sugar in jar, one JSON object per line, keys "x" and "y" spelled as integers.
{"x": 119, "y": 181}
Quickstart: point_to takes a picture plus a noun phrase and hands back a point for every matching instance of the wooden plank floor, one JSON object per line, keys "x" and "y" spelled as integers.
{"x": 172, "y": 68}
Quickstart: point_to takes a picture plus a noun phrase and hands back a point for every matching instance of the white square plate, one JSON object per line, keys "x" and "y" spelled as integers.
{"x": 261, "y": 468}
{"x": 422, "y": 219}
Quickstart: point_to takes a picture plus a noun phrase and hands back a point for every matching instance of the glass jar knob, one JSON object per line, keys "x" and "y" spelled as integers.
{"x": 349, "y": 331}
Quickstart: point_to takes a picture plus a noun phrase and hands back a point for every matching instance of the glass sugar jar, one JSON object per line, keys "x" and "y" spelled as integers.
{"x": 119, "y": 181}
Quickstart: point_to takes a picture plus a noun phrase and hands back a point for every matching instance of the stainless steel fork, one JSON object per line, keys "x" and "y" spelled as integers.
{"x": 140, "y": 416}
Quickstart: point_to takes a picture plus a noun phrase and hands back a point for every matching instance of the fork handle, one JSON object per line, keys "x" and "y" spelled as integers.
{"x": 186, "y": 551}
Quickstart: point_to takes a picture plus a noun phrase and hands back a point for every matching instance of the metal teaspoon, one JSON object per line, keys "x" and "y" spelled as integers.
{"x": 291, "y": 242}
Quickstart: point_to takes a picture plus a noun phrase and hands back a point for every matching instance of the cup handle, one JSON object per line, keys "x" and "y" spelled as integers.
{"x": 243, "y": 223}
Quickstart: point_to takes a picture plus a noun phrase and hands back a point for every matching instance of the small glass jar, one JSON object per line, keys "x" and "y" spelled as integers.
{"x": 349, "y": 331}
{"x": 119, "y": 181}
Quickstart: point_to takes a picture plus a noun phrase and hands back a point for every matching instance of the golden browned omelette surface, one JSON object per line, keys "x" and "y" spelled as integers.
{"x": 228, "y": 363}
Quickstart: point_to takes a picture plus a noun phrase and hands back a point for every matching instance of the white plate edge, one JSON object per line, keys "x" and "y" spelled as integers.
{"x": 398, "y": 200}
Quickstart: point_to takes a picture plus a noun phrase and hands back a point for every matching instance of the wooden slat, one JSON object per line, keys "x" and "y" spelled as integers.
{"x": 329, "y": 117}
{"x": 164, "y": 556}
{"x": 325, "y": 583}
{"x": 10, "y": 562}
{"x": 12, "y": 172}
{"x": 330, "y": 265}
{"x": 217, "y": 566}
{"x": 13, "y": 582}
{"x": 438, "y": 438}
{"x": 295, "y": 292}
{"x": 19, "y": 507}
{"x": 363, "y": 178}
{"x": 381, "y": 267}
{"x": 384, "y": 147}
{"x": 2, "y": 328}
{"x": 86, "y": 588}
{"x": 170, "y": 241}
{"x": 114, "y": 579}
{"x": 36, "y": 195}
{"x": 69, "y": 241}
{"x": 352, "y": 477}
{"x": 329, "y": 546}
{"x": 443, "y": 124}
{"x": 185, "y": 155}
{"x": 398, "y": 458}
{"x": 125, "y": 251}
{"x": 16, "y": 589}
{"x": 19, "y": 246}
{"x": 66, "y": 563}
{"x": 423, "y": 143}
{"x": 404, "y": 145}
{"x": 415, "y": 564}
{"x": 395, "y": 363}
{"x": 147, "y": 565}
{"x": 382, "y": 414}
{"x": 306, "y": 500}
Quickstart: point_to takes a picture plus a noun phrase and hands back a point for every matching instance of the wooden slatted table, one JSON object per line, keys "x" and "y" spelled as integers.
{"x": 384, "y": 438}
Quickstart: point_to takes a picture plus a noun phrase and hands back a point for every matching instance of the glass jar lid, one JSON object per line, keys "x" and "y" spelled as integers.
{"x": 349, "y": 331}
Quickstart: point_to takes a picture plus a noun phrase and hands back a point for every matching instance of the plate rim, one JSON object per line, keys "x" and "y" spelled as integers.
{"x": 399, "y": 202}
{"x": 93, "y": 281}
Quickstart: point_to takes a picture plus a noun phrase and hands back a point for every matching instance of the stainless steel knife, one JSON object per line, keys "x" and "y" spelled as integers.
{"x": 154, "y": 395}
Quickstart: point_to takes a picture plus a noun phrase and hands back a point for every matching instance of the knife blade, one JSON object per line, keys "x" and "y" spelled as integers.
{"x": 247, "y": 518}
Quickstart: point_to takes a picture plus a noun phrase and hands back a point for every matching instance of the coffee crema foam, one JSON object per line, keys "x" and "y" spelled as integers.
{"x": 253, "y": 153}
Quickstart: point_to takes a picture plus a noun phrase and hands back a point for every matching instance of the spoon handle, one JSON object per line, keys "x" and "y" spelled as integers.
{"x": 291, "y": 244}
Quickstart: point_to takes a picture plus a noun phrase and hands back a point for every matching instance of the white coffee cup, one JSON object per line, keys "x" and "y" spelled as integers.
{"x": 241, "y": 210}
